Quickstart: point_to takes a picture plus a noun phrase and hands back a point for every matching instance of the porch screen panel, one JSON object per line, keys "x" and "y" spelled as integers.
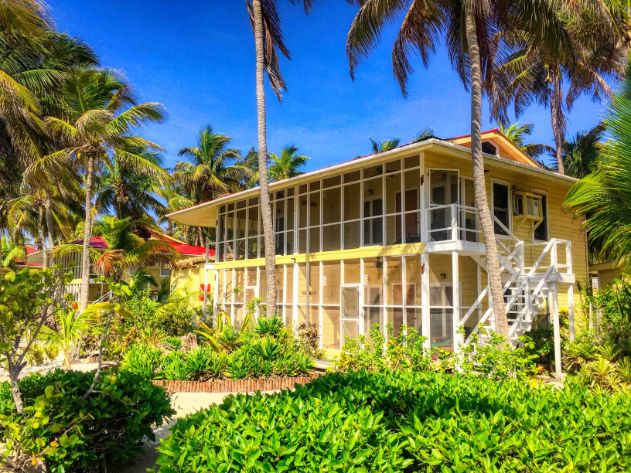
{"x": 331, "y": 282}
{"x": 373, "y": 293}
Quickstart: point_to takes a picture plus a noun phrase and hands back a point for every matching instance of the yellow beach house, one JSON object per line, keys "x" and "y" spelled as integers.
{"x": 394, "y": 238}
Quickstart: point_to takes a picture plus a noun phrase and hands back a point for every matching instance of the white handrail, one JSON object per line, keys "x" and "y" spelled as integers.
{"x": 535, "y": 293}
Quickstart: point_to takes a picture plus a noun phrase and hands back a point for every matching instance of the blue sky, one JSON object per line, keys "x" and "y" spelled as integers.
{"x": 197, "y": 58}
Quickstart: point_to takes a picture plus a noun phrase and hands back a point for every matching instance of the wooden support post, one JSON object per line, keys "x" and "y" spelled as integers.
{"x": 455, "y": 287}
{"x": 553, "y": 302}
{"x": 425, "y": 316}
{"x": 570, "y": 289}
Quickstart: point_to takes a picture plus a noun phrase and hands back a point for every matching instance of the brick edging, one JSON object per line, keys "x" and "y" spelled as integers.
{"x": 234, "y": 385}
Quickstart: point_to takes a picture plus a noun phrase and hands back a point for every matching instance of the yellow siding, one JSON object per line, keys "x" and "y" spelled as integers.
{"x": 189, "y": 280}
{"x": 560, "y": 223}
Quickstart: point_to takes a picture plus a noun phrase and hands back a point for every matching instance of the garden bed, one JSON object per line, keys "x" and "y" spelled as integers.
{"x": 236, "y": 385}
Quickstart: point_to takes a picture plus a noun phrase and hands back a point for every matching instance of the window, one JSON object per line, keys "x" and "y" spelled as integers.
{"x": 373, "y": 223}
{"x": 165, "y": 271}
{"x": 489, "y": 148}
{"x": 541, "y": 231}
{"x": 501, "y": 203}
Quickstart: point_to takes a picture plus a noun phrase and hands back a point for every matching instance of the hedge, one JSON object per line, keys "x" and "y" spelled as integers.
{"x": 63, "y": 432}
{"x": 402, "y": 421}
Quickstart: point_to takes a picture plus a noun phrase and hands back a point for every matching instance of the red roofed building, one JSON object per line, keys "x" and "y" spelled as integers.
{"x": 159, "y": 271}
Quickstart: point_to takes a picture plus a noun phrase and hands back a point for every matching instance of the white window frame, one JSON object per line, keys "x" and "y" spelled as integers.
{"x": 510, "y": 204}
{"x": 546, "y": 222}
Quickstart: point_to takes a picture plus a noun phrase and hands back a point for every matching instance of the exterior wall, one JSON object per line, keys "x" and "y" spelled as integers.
{"x": 189, "y": 280}
{"x": 348, "y": 251}
{"x": 560, "y": 223}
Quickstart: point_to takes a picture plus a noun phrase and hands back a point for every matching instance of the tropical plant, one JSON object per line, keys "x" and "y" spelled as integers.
{"x": 287, "y": 164}
{"x": 268, "y": 44}
{"x": 517, "y": 134}
{"x": 10, "y": 252}
{"x": 213, "y": 168}
{"x": 603, "y": 197}
{"x": 594, "y": 50}
{"x": 581, "y": 155}
{"x": 470, "y": 30}
{"x": 403, "y": 421}
{"x": 98, "y": 120}
{"x": 424, "y": 134}
{"x": 28, "y": 298}
{"x": 69, "y": 328}
{"x": 385, "y": 145}
{"x": 130, "y": 191}
{"x": 61, "y": 430}
{"x": 125, "y": 247}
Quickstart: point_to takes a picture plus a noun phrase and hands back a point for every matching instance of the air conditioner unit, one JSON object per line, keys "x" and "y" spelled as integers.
{"x": 528, "y": 206}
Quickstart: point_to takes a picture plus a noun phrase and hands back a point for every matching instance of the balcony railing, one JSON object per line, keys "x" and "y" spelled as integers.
{"x": 452, "y": 222}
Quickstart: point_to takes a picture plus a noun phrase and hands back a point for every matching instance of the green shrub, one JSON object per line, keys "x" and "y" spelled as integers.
{"x": 407, "y": 351}
{"x": 65, "y": 433}
{"x": 493, "y": 359}
{"x": 142, "y": 359}
{"x": 272, "y": 326}
{"x": 406, "y": 421}
{"x": 173, "y": 366}
{"x": 372, "y": 353}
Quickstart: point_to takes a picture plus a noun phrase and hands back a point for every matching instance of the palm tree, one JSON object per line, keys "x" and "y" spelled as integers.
{"x": 287, "y": 164}
{"x": 10, "y": 252}
{"x": 268, "y": 42}
{"x": 581, "y": 155}
{"x": 604, "y": 196}
{"x": 99, "y": 119}
{"x": 469, "y": 29}
{"x": 213, "y": 169}
{"x": 424, "y": 134}
{"x": 517, "y": 134}
{"x": 251, "y": 162}
{"x": 70, "y": 325}
{"x": 385, "y": 145}
{"x": 129, "y": 191}
{"x": 127, "y": 247}
{"x": 537, "y": 71}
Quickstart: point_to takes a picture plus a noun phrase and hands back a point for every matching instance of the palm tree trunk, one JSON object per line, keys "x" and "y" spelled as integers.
{"x": 557, "y": 121}
{"x": 41, "y": 236}
{"x": 481, "y": 201}
{"x": 49, "y": 227}
{"x": 266, "y": 208}
{"x": 87, "y": 233}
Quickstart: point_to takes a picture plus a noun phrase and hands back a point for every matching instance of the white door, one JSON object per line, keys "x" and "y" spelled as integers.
{"x": 349, "y": 321}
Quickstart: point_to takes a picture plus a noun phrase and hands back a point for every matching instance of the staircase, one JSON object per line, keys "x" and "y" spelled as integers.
{"x": 526, "y": 288}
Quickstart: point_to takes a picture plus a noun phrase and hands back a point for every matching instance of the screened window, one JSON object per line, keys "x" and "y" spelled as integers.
{"x": 541, "y": 232}
{"x": 501, "y": 207}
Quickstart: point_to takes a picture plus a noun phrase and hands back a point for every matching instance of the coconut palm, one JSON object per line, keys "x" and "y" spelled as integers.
{"x": 539, "y": 71}
{"x": 604, "y": 196}
{"x": 128, "y": 246}
{"x": 470, "y": 32}
{"x": 286, "y": 165}
{"x": 129, "y": 191}
{"x": 10, "y": 252}
{"x": 424, "y": 134}
{"x": 251, "y": 162}
{"x": 581, "y": 155}
{"x": 213, "y": 169}
{"x": 518, "y": 133}
{"x": 268, "y": 42}
{"x": 385, "y": 145}
{"x": 100, "y": 116}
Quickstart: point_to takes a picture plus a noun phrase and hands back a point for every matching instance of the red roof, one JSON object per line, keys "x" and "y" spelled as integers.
{"x": 182, "y": 248}
{"x": 185, "y": 249}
